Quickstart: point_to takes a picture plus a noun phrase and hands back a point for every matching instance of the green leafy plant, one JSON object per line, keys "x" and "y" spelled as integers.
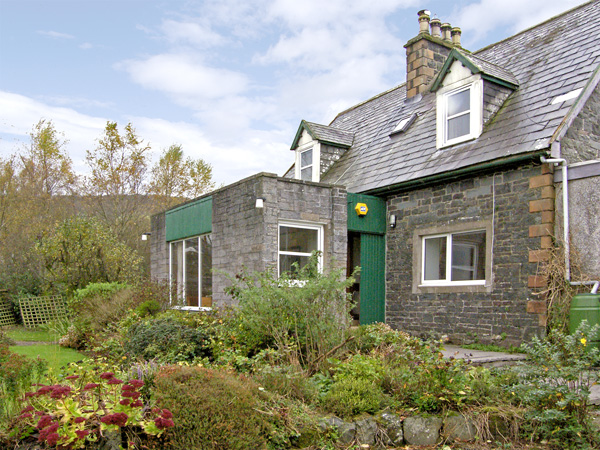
{"x": 303, "y": 315}
{"x": 166, "y": 339}
{"x": 17, "y": 374}
{"x": 555, "y": 386}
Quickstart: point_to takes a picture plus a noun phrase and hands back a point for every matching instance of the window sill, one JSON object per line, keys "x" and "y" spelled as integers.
{"x": 192, "y": 308}
{"x": 452, "y": 288}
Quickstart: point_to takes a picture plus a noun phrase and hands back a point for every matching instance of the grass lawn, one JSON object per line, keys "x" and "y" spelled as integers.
{"x": 30, "y": 334}
{"x": 56, "y": 356}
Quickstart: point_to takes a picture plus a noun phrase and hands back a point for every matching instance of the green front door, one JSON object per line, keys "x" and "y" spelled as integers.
{"x": 367, "y": 232}
{"x": 372, "y": 278}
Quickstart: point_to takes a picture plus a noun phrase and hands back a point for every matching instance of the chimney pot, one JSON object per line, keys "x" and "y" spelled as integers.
{"x": 423, "y": 21}
{"x": 435, "y": 25}
{"x": 456, "y": 36}
{"x": 446, "y": 27}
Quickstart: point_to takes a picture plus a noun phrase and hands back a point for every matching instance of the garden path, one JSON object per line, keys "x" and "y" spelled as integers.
{"x": 497, "y": 359}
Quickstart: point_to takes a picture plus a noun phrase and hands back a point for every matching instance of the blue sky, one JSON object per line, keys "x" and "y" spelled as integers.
{"x": 229, "y": 80}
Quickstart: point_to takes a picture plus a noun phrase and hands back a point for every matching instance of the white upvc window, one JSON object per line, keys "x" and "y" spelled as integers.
{"x": 297, "y": 242}
{"x": 190, "y": 271}
{"x": 306, "y": 164}
{"x": 454, "y": 259}
{"x": 308, "y": 159}
{"x": 459, "y": 114}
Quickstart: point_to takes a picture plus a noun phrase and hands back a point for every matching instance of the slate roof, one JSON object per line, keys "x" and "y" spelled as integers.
{"x": 551, "y": 59}
{"x": 324, "y": 134}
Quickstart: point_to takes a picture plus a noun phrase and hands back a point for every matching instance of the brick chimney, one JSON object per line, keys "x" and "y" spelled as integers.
{"x": 427, "y": 52}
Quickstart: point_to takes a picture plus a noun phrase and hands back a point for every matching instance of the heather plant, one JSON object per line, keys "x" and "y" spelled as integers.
{"x": 212, "y": 409}
{"x": 84, "y": 406}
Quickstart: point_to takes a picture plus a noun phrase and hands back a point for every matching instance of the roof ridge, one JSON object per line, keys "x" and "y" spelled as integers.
{"x": 527, "y": 30}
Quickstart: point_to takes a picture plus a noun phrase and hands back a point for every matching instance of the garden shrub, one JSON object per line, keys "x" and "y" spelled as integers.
{"x": 166, "y": 339}
{"x": 304, "y": 315}
{"x": 555, "y": 387}
{"x": 349, "y": 396}
{"x": 100, "y": 304}
{"x": 17, "y": 374}
{"x": 354, "y": 388}
{"x": 288, "y": 382}
{"x": 211, "y": 409}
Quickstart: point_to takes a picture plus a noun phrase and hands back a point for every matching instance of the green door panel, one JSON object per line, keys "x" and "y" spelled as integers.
{"x": 372, "y": 278}
{"x": 375, "y": 219}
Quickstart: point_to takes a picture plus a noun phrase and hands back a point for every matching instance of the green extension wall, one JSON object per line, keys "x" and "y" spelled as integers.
{"x": 191, "y": 219}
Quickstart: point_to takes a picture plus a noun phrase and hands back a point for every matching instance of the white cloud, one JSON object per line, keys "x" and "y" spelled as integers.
{"x": 480, "y": 18}
{"x": 250, "y": 152}
{"x": 80, "y": 130}
{"x": 85, "y": 46}
{"x": 56, "y": 34}
{"x": 262, "y": 151}
{"x": 184, "y": 76}
{"x": 197, "y": 34}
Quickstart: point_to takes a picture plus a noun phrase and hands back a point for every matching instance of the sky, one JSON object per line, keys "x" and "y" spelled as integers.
{"x": 228, "y": 80}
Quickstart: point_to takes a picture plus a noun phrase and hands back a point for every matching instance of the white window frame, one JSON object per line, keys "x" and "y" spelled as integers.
{"x": 316, "y": 161}
{"x": 447, "y": 281}
{"x": 180, "y": 294}
{"x": 475, "y": 88}
{"x": 304, "y": 225}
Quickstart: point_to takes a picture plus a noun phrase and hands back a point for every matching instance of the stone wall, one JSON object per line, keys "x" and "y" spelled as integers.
{"x": 584, "y": 217}
{"x": 237, "y": 233}
{"x": 159, "y": 250}
{"x": 582, "y": 141}
{"x": 329, "y": 156}
{"x": 514, "y": 206}
{"x": 246, "y": 236}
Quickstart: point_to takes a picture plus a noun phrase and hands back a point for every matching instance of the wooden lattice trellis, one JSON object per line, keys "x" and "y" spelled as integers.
{"x": 40, "y": 310}
{"x": 7, "y": 316}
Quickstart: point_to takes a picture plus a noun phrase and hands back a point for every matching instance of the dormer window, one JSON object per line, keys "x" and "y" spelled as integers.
{"x": 308, "y": 161}
{"x": 459, "y": 113}
{"x": 306, "y": 165}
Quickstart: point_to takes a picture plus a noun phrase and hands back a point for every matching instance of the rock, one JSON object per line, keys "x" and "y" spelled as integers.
{"x": 458, "y": 428}
{"x": 392, "y": 425}
{"x": 330, "y": 422}
{"x": 366, "y": 429}
{"x": 420, "y": 430}
{"x": 346, "y": 431}
{"x": 110, "y": 441}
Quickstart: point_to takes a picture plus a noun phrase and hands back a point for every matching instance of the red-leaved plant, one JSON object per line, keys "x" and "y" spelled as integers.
{"x": 83, "y": 407}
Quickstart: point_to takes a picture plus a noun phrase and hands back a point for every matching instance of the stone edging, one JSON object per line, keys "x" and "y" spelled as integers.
{"x": 394, "y": 430}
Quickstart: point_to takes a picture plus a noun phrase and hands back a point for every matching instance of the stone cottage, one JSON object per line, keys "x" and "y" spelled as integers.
{"x": 446, "y": 190}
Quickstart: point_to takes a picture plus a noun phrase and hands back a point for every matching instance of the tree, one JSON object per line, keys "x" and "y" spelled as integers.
{"x": 33, "y": 188}
{"x": 45, "y": 168}
{"x": 7, "y": 195}
{"x": 174, "y": 179}
{"x": 116, "y": 185}
{"x": 82, "y": 250}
